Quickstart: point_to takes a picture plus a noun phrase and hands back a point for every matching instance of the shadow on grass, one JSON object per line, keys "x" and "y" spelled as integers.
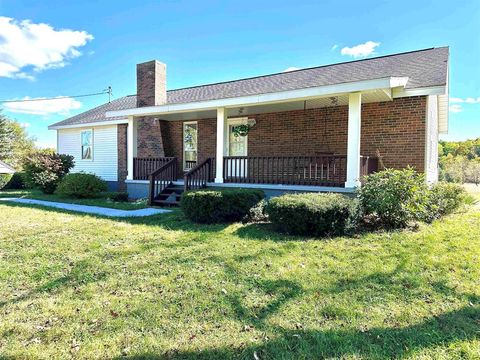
{"x": 384, "y": 343}
{"x": 81, "y": 273}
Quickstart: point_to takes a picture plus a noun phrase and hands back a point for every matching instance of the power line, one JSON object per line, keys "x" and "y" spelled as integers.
{"x": 108, "y": 91}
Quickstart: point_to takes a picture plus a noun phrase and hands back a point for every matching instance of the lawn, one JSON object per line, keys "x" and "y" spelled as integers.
{"x": 161, "y": 287}
{"x": 101, "y": 200}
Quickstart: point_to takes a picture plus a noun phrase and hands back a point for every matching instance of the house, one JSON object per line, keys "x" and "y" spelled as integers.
{"x": 5, "y": 168}
{"x": 314, "y": 129}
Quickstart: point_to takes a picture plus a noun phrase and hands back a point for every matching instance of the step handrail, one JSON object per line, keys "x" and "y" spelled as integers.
{"x": 161, "y": 178}
{"x": 199, "y": 176}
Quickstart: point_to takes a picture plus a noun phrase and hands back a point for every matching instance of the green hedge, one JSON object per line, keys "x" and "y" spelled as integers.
{"x": 4, "y": 179}
{"x": 16, "y": 182}
{"x": 81, "y": 185}
{"x": 313, "y": 214}
{"x": 219, "y": 205}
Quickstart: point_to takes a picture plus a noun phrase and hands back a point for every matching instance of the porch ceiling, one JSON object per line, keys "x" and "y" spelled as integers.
{"x": 327, "y": 101}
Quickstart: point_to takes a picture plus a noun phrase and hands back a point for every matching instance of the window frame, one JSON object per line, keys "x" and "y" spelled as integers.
{"x": 91, "y": 144}
{"x": 184, "y": 162}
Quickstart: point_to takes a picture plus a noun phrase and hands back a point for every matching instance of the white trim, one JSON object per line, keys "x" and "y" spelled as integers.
{"x": 221, "y": 134}
{"x": 235, "y": 121}
{"x": 353, "y": 140}
{"x": 91, "y": 146}
{"x": 281, "y": 187}
{"x": 130, "y": 148}
{"x": 91, "y": 124}
{"x": 276, "y": 97}
{"x": 433, "y": 90}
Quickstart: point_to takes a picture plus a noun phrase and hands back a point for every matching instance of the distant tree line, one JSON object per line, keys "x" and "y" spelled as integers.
{"x": 460, "y": 161}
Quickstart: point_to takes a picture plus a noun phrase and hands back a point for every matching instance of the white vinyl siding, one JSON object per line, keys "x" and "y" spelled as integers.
{"x": 105, "y": 153}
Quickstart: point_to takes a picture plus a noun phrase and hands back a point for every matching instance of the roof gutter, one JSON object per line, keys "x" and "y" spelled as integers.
{"x": 264, "y": 99}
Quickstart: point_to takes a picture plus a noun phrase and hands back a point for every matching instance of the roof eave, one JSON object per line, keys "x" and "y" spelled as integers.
{"x": 269, "y": 98}
{"x": 89, "y": 124}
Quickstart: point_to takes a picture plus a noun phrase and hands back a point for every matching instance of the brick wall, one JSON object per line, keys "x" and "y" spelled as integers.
{"x": 396, "y": 129}
{"x": 149, "y": 138}
{"x": 122, "y": 156}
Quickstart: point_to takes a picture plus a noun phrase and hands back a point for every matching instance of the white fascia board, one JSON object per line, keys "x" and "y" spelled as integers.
{"x": 433, "y": 90}
{"x": 263, "y": 99}
{"x": 92, "y": 124}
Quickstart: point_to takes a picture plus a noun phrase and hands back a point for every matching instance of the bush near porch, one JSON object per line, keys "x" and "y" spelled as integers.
{"x": 219, "y": 205}
{"x": 313, "y": 214}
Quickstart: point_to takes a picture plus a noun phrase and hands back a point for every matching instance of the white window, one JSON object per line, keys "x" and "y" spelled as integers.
{"x": 87, "y": 144}
{"x": 190, "y": 135}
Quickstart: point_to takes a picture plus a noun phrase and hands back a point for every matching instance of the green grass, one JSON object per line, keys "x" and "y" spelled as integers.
{"x": 161, "y": 287}
{"x": 102, "y": 200}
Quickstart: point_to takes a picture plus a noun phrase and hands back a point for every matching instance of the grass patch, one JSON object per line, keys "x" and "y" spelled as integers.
{"x": 102, "y": 200}
{"x": 162, "y": 287}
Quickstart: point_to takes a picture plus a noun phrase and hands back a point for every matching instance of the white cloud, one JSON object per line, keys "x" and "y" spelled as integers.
{"x": 456, "y": 100}
{"x": 334, "y": 47}
{"x": 24, "y": 45}
{"x": 60, "y": 105}
{"x": 25, "y": 125}
{"x": 361, "y": 50}
{"x": 455, "y": 108}
{"x": 291, "y": 68}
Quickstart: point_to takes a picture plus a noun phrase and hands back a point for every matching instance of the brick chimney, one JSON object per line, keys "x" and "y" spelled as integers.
{"x": 151, "y": 83}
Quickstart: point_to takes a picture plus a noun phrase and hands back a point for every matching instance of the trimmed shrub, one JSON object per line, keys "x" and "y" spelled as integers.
{"x": 394, "y": 197}
{"x": 4, "y": 179}
{"x": 81, "y": 185}
{"x": 219, "y": 205}
{"x": 16, "y": 182}
{"x": 313, "y": 214}
{"x": 445, "y": 198}
{"x": 257, "y": 213}
{"x": 46, "y": 169}
{"x": 118, "y": 196}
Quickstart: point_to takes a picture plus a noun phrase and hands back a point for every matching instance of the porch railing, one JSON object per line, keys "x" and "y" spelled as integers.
{"x": 200, "y": 175}
{"x": 322, "y": 170}
{"x": 318, "y": 170}
{"x": 161, "y": 178}
{"x": 143, "y": 167}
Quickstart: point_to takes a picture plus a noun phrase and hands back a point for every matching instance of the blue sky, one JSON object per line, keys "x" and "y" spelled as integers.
{"x": 85, "y": 46}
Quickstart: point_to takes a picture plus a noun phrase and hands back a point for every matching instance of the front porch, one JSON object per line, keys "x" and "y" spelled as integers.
{"x": 274, "y": 174}
{"x": 314, "y": 149}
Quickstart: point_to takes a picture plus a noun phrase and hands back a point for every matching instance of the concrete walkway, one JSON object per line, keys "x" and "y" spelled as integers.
{"x": 94, "y": 210}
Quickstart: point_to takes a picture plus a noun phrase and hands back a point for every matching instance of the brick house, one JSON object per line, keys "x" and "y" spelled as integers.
{"x": 315, "y": 129}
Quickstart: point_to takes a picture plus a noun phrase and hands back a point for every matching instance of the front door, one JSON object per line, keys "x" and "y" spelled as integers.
{"x": 237, "y": 146}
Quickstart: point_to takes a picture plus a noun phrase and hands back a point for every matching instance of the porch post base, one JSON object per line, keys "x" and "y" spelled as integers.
{"x": 352, "y": 184}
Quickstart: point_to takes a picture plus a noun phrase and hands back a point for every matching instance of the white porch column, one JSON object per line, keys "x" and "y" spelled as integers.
{"x": 353, "y": 144}
{"x": 221, "y": 137}
{"x": 130, "y": 147}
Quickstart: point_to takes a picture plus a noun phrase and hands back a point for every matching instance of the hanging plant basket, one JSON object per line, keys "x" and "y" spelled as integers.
{"x": 241, "y": 130}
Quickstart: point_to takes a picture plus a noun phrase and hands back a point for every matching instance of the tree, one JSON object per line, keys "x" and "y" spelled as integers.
{"x": 15, "y": 144}
{"x": 6, "y": 139}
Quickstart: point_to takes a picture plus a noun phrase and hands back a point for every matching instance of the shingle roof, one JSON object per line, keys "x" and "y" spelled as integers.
{"x": 424, "y": 68}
